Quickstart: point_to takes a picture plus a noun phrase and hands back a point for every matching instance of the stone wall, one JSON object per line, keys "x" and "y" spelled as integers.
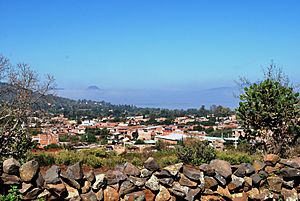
{"x": 271, "y": 179}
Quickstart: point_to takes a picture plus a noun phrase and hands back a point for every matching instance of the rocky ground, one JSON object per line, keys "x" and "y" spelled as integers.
{"x": 271, "y": 179}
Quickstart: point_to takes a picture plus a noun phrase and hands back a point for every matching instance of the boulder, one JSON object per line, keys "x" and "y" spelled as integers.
{"x": 236, "y": 183}
{"x": 25, "y": 188}
{"x": 75, "y": 171}
{"x": 135, "y": 196}
{"x": 163, "y": 194}
{"x": 40, "y": 181}
{"x": 52, "y": 175}
{"x": 10, "y": 179}
{"x": 224, "y": 192}
{"x": 131, "y": 170}
{"x": 184, "y": 181}
{"x": 166, "y": 181}
{"x": 163, "y": 173}
{"x": 221, "y": 167}
{"x": 152, "y": 183}
{"x": 207, "y": 169}
{"x": 271, "y": 159}
{"x": 191, "y": 172}
{"x": 90, "y": 196}
{"x": 248, "y": 183}
{"x": 151, "y": 164}
{"x": 115, "y": 176}
{"x": 221, "y": 180}
{"x": 289, "y": 195}
{"x": 290, "y": 173}
{"x": 100, "y": 182}
{"x": 139, "y": 182}
{"x": 29, "y": 170}
{"x": 32, "y": 194}
{"x": 174, "y": 169}
{"x": 192, "y": 194}
{"x": 258, "y": 165}
{"x": 178, "y": 190}
{"x": 244, "y": 169}
{"x": 255, "y": 178}
{"x": 149, "y": 195}
{"x": 56, "y": 188}
{"x": 11, "y": 166}
{"x": 72, "y": 193}
{"x": 70, "y": 181}
{"x": 253, "y": 193}
{"x": 111, "y": 194}
{"x": 86, "y": 186}
{"x": 126, "y": 187}
{"x": 90, "y": 176}
{"x": 210, "y": 182}
{"x": 146, "y": 173}
{"x": 275, "y": 183}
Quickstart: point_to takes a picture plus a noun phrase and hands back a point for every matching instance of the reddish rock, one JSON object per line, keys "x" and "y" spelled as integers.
{"x": 184, "y": 181}
{"x": 163, "y": 194}
{"x": 222, "y": 167}
{"x": 258, "y": 165}
{"x": 275, "y": 183}
{"x": 29, "y": 170}
{"x": 110, "y": 194}
{"x": 271, "y": 159}
{"x": 149, "y": 196}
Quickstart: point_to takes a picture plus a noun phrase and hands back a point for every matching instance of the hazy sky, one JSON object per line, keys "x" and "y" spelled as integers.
{"x": 157, "y": 47}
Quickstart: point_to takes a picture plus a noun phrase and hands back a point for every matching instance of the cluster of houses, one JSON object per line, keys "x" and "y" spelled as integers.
{"x": 132, "y": 129}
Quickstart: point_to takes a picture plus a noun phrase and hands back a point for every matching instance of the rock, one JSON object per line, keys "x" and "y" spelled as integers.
{"x": 10, "y": 179}
{"x": 289, "y": 195}
{"x": 135, "y": 196}
{"x": 32, "y": 194}
{"x": 126, "y": 187}
{"x": 179, "y": 190}
{"x": 236, "y": 183}
{"x": 90, "y": 176}
{"x": 70, "y": 181}
{"x": 207, "y": 169}
{"x": 211, "y": 198}
{"x": 72, "y": 192}
{"x": 100, "y": 182}
{"x": 166, "y": 181}
{"x": 139, "y": 182}
{"x": 271, "y": 159}
{"x": 224, "y": 192}
{"x": 270, "y": 169}
{"x": 86, "y": 187}
{"x": 56, "y": 188}
{"x": 239, "y": 197}
{"x": 75, "y": 171}
{"x": 151, "y": 164}
{"x": 149, "y": 196}
{"x": 210, "y": 182}
{"x": 163, "y": 173}
{"x": 100, "y": 194}
{"x": 220, "y": 179}
{"x": 192, "y": 194}
{"x": 275, "y": 183}
{"x": 244, "y": 169}
{"x": 111, "y": 194}
{"x": 184, "y": 181}
{"x": 145, "y": 173}
{"x": 115, "y": 176}
{"x": 290, "y": 173}
{"x": 152, "y": 183}
{"x": 264, "y": 195}
{"x": 255, "y": 178}
{"x": 248, "y": 183}
{"x": 40, "y": 181}
{"x": 288, "y": 184}
{"x": 25, "y": 188}
{"x": 222, "y": 167}
{"x": 163, "y": 194}
{"x": 131, "y": 170}
{"x": 174, "y": 169}
{"x": 253, "y": 193}
{"x": 29, "y": 170}
{"x": 52, "y": 175}
{"x": 44, "y": 195}
{"x": 11, "y": 166}
{"x": 191, "y": 172}
{"x": 90, "y": 196}
{"x": 263, "y": 174}
{"x": 258, "y": 165}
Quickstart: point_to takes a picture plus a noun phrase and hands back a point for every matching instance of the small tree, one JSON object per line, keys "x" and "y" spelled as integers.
{"x": 20, "y": 91}
{"x": 269, "y": 112}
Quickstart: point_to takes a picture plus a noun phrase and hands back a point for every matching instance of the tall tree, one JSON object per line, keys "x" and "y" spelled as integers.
{"x": 269, "y": 111}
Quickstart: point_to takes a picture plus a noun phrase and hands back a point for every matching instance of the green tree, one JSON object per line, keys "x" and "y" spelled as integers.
{"x": 269, "y": 112}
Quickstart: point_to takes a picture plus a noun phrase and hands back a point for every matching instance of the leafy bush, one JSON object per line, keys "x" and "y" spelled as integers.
{"x": 139, "y": 141}
{"x": 236, "y": 157}
{"x": 52, "y": 146}
{"x": 137, "y": 161}
{"x": 196, "y": 152}
{"x": 13, "y": 195}
{"x": 42, "y": 158}
{"x": 168, "y": 160}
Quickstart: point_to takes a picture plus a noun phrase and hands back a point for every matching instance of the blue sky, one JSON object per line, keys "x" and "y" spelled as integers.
{"x": 164, "y": 53}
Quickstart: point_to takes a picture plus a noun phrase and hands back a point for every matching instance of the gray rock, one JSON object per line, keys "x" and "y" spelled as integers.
{"x": 139, "y": 182}
{"x": 29, "y": 170}
{"x": 166, "y": 181}
{"x": 145, "y": 173}
{"x": 70, "y": 181}
{"x": 90, "y": 176}
{"x": 191, "y": 172}
{"x": 75, "y": 171}
{"x": 25, "y": 188}
{"x": 126, "y": 187}
{"x": 221, "y": 167}
{"x": 210, "y": 182}
{"x": 244, "y": 169}
{"x": 151, "y": 164}
{"x": 221, "y": 180}
{"x": 291, "y": 163}
{"x": 152, "y": 183}
{"x": 192, "y": 194}
{"x": 10, "y": 179}
{"x": 163, "y": 173}
{"x": 40, "y": 181}
{"x": 236, "y": 183}
{"x": 179, "y": 190}
{"x": 207, "y": 169}
{"x": 275, "y": 183}
{"x": 90, "y": 196}
{"x": 52, "y": 175}
{"x": 174, "y": 169}
{"x": 136, "y": 196}
{"x": 255, "y": 178}
{"x": 115, "y": 176}
{"x": 131, "y": 170}
{"x": 100, "y": 182}
{"x": 289, "y": 195}
{"x": 184, "y": 181}
{"x": 163, "y": 194}
{"x": 290, "y": 173}
{"x": 32, "y": 194}
{"x": 11, "y": 166}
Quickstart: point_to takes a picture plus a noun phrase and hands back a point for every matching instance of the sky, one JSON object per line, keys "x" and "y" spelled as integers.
{"x": 158, "y": 53}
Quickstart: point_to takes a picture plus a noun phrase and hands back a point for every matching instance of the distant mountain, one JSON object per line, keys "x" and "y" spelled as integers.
{"x": 93, "y": 87}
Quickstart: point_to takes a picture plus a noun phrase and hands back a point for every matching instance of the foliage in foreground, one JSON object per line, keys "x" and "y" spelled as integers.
{"x": 269, "y": 111}
{"x": 13, "y": 195}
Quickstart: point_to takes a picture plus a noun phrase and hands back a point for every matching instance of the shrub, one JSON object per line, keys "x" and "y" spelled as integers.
{"x": 137, "y": 161}
{"x": 13, "y": 195}
{"x": 168, "y": 160}
{"x": 139, "y": 141}
{"x": 236, "y": 157}
{"x": 42, "y": 158}
{"x": 52, "y": 146}
{"x": 196, "y": 152}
